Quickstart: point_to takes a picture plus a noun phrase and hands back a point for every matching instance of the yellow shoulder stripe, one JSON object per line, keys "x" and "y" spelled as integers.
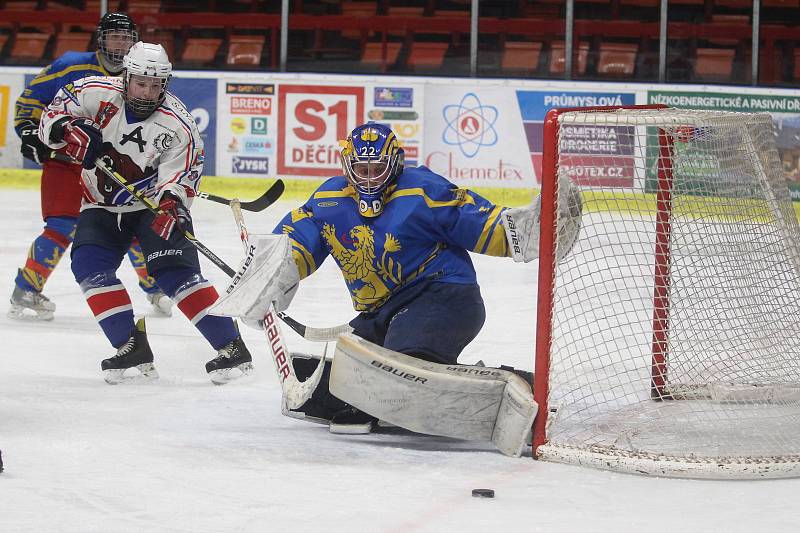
{"x": 430, "y": 202}
{"x": 100, "y": 70}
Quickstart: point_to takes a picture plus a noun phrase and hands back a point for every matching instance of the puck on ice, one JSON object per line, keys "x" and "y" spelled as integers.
{"x": 483, "y": 493}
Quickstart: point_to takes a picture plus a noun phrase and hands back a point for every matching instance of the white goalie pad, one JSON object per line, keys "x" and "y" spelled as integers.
{"x": 460, "y": 401}
{"x": 267, "y": 275}
{"x": 521, "y": 224}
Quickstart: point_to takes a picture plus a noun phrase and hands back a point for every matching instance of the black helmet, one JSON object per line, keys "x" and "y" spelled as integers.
{"x": 120, "y": 25}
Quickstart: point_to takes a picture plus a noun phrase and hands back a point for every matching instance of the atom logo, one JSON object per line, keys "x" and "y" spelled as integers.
{"x": 470, "y": 125}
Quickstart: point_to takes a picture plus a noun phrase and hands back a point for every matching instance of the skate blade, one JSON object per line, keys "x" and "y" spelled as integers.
{"x": 17, "y": 312}
{"x": 226, "y": 375}
{"x": 147, "y": 373}
{"x": 350, "y": 429}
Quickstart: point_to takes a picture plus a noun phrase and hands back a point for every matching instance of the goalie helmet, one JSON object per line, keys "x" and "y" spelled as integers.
{"x": 116, "y": 33}
{"x": 146, "y": 75}
{"x": 371, "y": 159}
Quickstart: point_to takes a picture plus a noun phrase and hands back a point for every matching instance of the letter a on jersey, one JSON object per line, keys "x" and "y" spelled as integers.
{"x": 135, "y": 136}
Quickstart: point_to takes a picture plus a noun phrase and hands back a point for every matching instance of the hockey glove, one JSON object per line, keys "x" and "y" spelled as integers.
{"x": 84, "y": 141}
{"x": 32, "y": 147}
{"x": 172, "y": 212}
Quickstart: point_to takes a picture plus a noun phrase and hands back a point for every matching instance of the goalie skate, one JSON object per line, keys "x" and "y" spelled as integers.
{"x": 323, "y": 407}
{"x": 135, "y": 353}
{"x": 30, "y": 305}
{"x": 232, "y": 362}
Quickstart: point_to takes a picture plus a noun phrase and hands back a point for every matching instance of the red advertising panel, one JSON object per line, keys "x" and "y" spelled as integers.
{"x": 312, "y": 119}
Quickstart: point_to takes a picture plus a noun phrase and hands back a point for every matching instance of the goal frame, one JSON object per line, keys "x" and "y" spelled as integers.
{"x": 618, "y": 460}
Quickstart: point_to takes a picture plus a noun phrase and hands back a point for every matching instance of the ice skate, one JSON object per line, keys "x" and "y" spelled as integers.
{"x": 30, "y": 305}
{"x": 135, "y": 353}
{"x": 232, "y": 362}
{"x": 162, "y": 305}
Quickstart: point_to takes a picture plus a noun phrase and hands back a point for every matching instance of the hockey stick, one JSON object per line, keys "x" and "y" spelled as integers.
{"x": 269, "y": 197}
{"x": 259, "y": 204}
{"x": 153, "y": 208}
{"x": 295, "y": 392}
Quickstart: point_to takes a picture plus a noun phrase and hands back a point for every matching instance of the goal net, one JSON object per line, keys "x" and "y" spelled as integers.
{"x": 668, "y": 339}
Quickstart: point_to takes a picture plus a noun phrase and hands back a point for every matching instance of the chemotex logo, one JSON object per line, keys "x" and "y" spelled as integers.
{"x": 250, "y": 165}
{"x": 251, "y": 105}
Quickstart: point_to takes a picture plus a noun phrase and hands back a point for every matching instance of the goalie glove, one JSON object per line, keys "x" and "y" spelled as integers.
{"x": 268, "y": 276}
{"x": 32, "y": 147}
{"x": 83, "y": 137}
{"x": 522, "y": 224}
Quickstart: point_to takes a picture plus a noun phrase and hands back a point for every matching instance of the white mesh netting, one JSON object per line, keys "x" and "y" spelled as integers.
{"x": 726, "y": 400}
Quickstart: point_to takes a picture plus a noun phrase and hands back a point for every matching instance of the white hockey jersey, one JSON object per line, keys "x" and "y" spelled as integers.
{"x": 161, "y": 153}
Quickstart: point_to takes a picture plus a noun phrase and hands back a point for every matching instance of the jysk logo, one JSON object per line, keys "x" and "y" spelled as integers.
{"x": 258, "y": 125}
{"x": 257, "y": 145}
{"x": 250, "y": 165}
{"x": 251, "y": 105}
{"x": 394, "y": 96}
{"x": 249, "y": 88}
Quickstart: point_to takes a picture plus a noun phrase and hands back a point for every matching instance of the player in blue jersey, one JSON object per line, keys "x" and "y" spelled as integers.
{"x": 60, "y": 181}
{"x": 401, "y": 238}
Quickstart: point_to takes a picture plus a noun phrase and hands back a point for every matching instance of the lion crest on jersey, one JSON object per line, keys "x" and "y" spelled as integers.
{"x": 360, "y": 264}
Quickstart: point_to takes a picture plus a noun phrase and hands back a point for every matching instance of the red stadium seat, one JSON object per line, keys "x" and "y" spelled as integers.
{"x": 372, "y": 55}
{"x": 714, "y": 64}
{"x": 426, "y": 56}
{"x": 245, "y": 49}
{"x": 28, "y": 47}
{"x": 163, "y": 37}
{"x": 558, "y": 59}
{"x": 617, "y": 59}
{"x": 17, "y": 5}
{"x": 201, "y": 50}
{"x": 520, "y": 57}
{"x": 75, "y": 41}
{"x": 144, "y": 6}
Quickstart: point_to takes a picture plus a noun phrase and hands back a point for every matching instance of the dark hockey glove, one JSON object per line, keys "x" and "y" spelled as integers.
{"x": 84, "y": 141}
{"x": 32, "y": 147}
{"x": 172, "y": 212}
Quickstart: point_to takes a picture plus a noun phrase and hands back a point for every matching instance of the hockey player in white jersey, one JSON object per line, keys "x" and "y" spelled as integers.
{"x": 146, "y": 135}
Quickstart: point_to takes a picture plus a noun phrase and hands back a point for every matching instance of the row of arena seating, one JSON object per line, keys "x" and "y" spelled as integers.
{"x": 493, "y": 8}
{"x": 515, "y": 58}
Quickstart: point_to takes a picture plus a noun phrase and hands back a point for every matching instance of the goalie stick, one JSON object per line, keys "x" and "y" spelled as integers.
{"x": 295, "y": 392}
{"x": 269, "y": 197}
{"x": 312, "y": 334}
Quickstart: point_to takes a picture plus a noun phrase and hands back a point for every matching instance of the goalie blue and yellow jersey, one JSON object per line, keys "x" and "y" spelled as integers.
{"x": 42, "y": 89}
{"x": 427, "y": 227}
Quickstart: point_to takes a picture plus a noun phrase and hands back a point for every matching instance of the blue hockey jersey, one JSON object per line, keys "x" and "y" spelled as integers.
{"x": 42, "y": 89}
{"x": 424, "y": 232}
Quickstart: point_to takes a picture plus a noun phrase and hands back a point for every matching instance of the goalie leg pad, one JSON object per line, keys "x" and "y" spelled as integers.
{"x": 466, "y": 402}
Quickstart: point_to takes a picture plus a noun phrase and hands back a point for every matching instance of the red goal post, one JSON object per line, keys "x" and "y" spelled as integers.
{"x": 665, "y": 339}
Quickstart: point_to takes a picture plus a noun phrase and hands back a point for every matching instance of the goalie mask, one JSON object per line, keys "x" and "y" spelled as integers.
{"x": 146, "y": 77}
{"x": 371, "y": 158}
{"x": 116, "y": 33}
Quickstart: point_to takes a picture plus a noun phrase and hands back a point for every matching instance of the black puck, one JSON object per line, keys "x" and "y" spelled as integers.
{"x": 483, "y": 493}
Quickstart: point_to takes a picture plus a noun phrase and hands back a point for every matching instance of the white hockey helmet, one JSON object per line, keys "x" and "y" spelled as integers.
{"x": 145, "y": 63}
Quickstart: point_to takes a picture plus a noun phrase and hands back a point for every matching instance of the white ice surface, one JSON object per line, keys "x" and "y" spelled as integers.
{"x": 183, "y": 455}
